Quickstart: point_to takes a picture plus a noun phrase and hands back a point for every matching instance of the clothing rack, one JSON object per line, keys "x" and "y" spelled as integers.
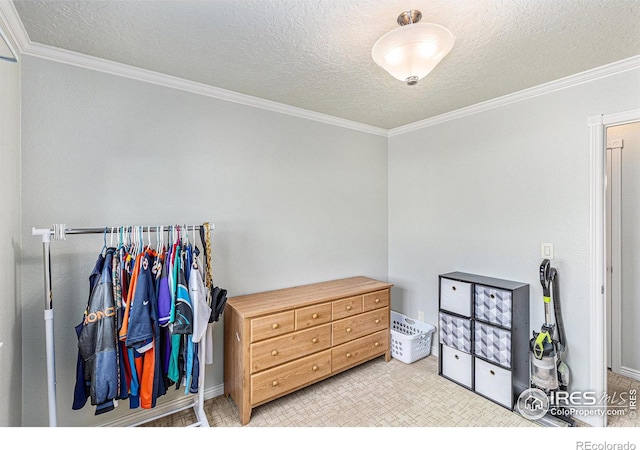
{"x": 59, "y": 232}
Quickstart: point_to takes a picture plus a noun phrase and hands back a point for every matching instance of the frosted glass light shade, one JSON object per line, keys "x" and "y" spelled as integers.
{"x": 410, "y": 52}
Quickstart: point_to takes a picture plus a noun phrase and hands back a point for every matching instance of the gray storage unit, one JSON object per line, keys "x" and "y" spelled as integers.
{"x": 484, "y": 335}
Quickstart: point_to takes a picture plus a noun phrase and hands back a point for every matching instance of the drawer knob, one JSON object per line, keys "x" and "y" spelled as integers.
{"x": 314, "y": 316}
{"x": 274, "y": 383}
{"x": 377, "y": 300}
{"x": 348, "y": 307}
{"x": 453, "y": 287}
{"x": 348, "y": 330}
{"x": 275, "y": 326}
{"x": 492, "y": 372}
{"x": 314, "y": 340}
{"x": 377, "y": 321}
{"x": 376, "y": 344}
{"x": 274, "y": 353}
{"x": 348, "y": 355}
{"x": 456, "y": 356}
{"x": 493, "y": 296}
{"x": 314, "y": 368}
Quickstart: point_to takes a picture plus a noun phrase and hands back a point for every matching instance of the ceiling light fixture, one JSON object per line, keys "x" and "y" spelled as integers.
{"x": 410, "y": 52}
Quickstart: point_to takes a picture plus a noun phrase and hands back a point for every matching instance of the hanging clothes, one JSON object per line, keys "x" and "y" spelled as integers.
{"x": 164, "y": 292}
{"x": 97, "y": 340}
{"x": 116, "y": 271}
{"x": 82, "y": 388}
{"x": 140, "y": 335}
{"x": 147, "y": 315}
{"x": 198, "y": 294}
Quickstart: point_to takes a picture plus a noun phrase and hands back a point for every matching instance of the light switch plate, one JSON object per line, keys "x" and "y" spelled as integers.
{"x": 546, "y": 250}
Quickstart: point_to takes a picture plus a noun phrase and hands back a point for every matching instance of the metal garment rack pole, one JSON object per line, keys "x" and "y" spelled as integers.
{"x": 59, "y": 232}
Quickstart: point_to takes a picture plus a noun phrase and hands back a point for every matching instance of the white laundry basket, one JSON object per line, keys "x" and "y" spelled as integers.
{"x": 410, "y": 338}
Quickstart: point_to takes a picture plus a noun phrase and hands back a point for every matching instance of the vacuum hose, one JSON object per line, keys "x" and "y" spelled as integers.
{"x": 553, "y": 275}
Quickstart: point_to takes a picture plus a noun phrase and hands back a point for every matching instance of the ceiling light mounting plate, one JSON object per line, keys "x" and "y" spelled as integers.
{"x": 409, "y": 17}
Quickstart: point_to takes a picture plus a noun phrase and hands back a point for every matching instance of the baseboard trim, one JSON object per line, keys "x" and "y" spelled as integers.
{"x": 629, "y": 372}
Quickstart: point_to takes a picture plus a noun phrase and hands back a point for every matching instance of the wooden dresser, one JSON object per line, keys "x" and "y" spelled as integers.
{"x": 279, "y": 341}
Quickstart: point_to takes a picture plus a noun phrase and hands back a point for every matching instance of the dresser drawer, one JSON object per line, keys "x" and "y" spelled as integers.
{"x": 272, "y": 326}
{"x": 290, "y": 376}
{"x": 493, "y": 382}
{"x": 455, "y": 332}
{"x": 358, "y": 350}
{"x": 456, "y": 365}
{"x": 278, "y": 350}
{"x": 346, "y": 307}
{"x": 354, "y": 327}
{"x": 375, "y": 300}
{"x": 455, "y": 296}
{"x": 493, "y": 343}
{"x": 493, "y": 305}
{"x": 313, "y": 315}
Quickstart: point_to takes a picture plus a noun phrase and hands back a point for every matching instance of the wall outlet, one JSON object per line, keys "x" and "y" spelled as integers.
{"x": 421, "y": 316}
{"x": 546, "y": 250}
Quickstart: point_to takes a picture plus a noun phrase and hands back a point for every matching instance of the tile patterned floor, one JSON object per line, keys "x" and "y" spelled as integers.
{"x": 619, "y": 388}
{"x": 375, "y": 394}
{"x": 380, "y": 394}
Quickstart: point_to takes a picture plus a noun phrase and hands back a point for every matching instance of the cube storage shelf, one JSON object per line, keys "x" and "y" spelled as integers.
{"x": 484, "y": 335}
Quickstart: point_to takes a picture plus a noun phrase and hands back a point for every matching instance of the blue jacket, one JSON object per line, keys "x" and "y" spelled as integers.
{"x": 97, "y": 340}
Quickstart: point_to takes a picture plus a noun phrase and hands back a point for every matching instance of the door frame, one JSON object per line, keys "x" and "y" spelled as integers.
{"x": 597, "y": 251}
{"x": 613, "y": 260}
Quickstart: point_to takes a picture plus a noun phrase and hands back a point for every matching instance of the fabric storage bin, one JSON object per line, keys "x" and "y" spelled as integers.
{"x": 493, "y": 344}
{"x": 493, "y": 305}
{"x": 455, "y": 332}
{"x": 455, "y": 296}
{"x": 456, "y": 365}
{"x": 410, "y": 338}
{"x": 493, "y": 382}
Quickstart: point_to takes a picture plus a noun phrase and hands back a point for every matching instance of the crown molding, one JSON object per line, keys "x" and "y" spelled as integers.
{"x": 9, "y": 16}
{"x": 562, "y": 83}
{"x": 17, "y": 33}
{"x": 114, "y": 68}
{"x": 13, "y": 25}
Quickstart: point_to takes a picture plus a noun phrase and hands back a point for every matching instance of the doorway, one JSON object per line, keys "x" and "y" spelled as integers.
{"x": 623, "y": 248}
{"x": 622, "y": 220}
{"x": 598, "y": 285}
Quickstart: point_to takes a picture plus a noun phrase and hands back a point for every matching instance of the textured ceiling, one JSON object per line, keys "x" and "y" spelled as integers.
{"x": 316, "y": 54}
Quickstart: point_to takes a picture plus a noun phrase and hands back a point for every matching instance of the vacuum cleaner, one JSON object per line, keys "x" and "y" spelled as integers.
{"x": 549, "y": 373}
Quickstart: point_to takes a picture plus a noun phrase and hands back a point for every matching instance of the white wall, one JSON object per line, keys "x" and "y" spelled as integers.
{"x": 293, "y": 201}
{"x": 630, "y": 199}
{"x": 10, "y": 243}
{"x": 481, "y": 193}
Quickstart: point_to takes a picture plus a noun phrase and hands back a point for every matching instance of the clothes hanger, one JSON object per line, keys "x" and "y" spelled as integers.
{"x": 127, "y": 238}
{"x": 134, "y": 241}
{"x": 104, "y": 239}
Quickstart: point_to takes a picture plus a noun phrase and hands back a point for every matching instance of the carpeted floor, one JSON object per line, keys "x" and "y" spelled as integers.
{"x": 381, "y": 394}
